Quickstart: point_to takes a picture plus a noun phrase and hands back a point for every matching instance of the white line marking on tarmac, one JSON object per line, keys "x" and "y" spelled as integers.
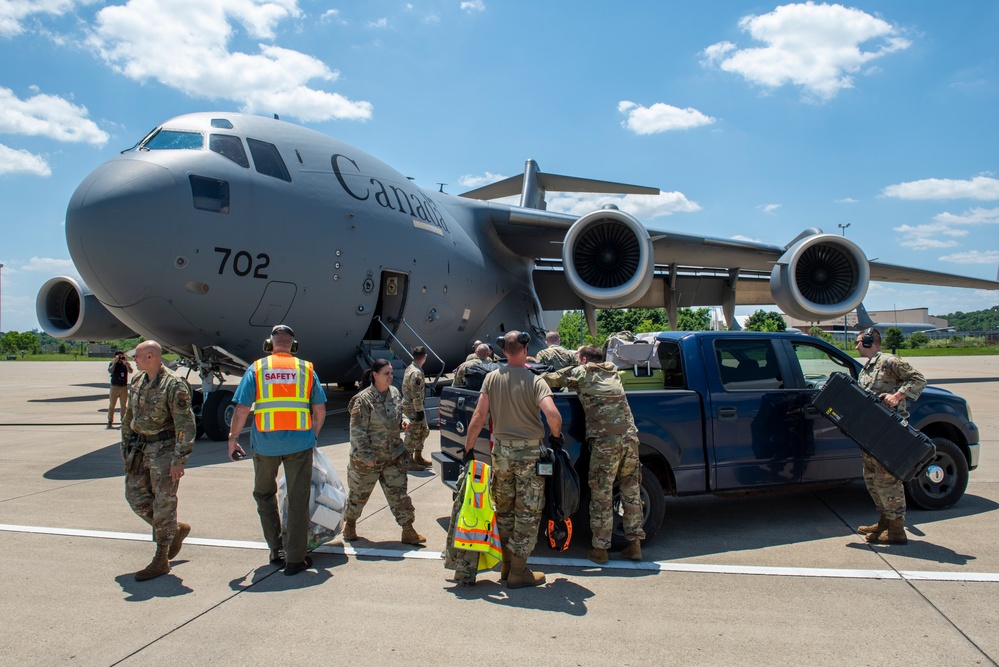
{"x": 653, "y": 566}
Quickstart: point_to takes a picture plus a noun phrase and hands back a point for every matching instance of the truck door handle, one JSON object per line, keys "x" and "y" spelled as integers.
{"x": 461, "y": 402}
{"x": 727, "y": 414}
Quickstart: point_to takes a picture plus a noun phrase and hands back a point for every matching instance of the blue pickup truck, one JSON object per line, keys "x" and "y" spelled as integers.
{"x": 734, "y": 415}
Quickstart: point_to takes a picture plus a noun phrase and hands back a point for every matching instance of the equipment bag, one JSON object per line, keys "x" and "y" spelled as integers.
{"x": 474, "y": 375}
{"x": 561, "y": 496}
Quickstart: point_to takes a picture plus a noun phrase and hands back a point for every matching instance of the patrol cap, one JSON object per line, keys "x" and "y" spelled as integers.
{"x": 283, "y": 327}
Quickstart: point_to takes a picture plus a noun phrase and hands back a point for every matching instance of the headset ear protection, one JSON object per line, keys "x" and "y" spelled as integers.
{"x": 867, "y": 339}
{"x": 522, "y": 337}
{"x": 269, "y": 346}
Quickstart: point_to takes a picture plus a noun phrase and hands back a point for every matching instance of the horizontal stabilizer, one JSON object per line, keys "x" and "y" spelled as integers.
{"x": 556, "y": 183}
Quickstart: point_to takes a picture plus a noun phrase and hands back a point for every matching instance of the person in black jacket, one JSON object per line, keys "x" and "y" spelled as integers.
{"x": 118, "y": 369}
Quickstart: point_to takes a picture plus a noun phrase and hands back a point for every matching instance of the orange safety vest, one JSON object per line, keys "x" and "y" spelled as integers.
{"x": 284, "y": 385}
{"x": 476, "y": 528}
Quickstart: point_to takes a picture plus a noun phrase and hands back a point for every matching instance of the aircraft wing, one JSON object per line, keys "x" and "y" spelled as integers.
{"x": 690, "y": 270}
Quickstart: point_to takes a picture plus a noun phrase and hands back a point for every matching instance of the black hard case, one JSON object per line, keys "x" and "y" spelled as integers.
{"x": 879, "y": 431}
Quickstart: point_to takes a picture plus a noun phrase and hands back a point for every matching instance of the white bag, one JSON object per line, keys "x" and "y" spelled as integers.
{"x": 326, "y": 500}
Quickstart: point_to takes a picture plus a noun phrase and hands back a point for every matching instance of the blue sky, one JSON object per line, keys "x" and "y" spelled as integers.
{"x": 756, "y": 120}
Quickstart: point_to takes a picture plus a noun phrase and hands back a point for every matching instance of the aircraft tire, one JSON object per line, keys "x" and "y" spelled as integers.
{"x": 217, "y": 414}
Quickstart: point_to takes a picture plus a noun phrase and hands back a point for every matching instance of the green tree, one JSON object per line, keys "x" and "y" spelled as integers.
{"x": 688, "y": 319}
{"x": 892, "y": 338}
{"x": 917, "y": 339}
{"x": 820, "y": 333}
{"x": 765, "y": 321}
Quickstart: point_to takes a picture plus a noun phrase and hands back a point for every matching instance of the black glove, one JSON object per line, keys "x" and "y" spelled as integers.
{"x": 467, "y": 455}
{"x": 419, "y": 416}
{"x": 556, "y": 441}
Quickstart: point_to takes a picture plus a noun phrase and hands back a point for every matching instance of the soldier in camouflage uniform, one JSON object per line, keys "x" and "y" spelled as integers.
{"x": 157, "y": 437}
{"x": 512, "y": 394}
{"x": 893, "y": 380}
{"x": 377, "y": 453}
{"x": 481, "y": 357}
{"x": 555, "y": 355}
{"x": 613, "y": 441}
{"x": 413, "y": 394}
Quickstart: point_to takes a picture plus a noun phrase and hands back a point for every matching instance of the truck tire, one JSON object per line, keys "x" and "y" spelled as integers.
{"x": 217, "y": 414}
{"x": 943, "y": 481}
{"x": 653, "y": 508}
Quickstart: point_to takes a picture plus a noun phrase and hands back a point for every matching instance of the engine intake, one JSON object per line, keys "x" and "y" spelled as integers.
{"x": 67, "y": 309}
{"x": 820, "y": 277}
{"x": 607, "y": 258}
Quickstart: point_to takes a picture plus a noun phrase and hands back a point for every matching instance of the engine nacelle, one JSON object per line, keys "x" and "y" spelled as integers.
{"x": 607, "y": 258}
{"x": 820, "y": 277}
{"x": 67, "y": 309}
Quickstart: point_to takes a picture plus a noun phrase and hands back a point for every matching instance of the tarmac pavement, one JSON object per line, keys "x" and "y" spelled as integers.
{"x": 765, "y": 580}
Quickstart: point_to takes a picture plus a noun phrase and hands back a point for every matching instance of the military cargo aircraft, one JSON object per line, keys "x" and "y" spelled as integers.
{"x": 231, "y": 223}
{"x": 865, "y": 322}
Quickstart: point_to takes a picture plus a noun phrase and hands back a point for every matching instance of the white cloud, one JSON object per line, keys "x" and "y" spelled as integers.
{"x": 48, "y": 116}
{"x": 380, "y": 23}
{"x": 768, "y": 208}
{"x": 660, "y": 118}
{"x": 473, "y": 5}
{"x": 50, "y": 265}
{"x": 976, "y": 216}
{"x": 332, "y": 15}
{"x": 184, "y": 44}
{"x": 470, "y": 181}
{"x": 813, "y": 46}
{"x": 13, "y": 12}
{"x": 643, "y": 207}
{"x": 924, "y": 237}
{"x": 13, "y": 161}
{"x": 979, "y": 187}
{"x": 973, "y": 257}
{"x": 847, "y": 200}
{"x": 740, "y": 237}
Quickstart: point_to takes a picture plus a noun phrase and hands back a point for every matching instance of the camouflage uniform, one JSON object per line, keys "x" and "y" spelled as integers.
{"x": 886, "y": 374}
{"x": 557, "y": 357}
{"x": 377, "y": 454}
{"x": 159, "y": 421}
{"x": 412, "y": 403}
{"x": 459, "y": 374}
{"x": 613, "y": 440}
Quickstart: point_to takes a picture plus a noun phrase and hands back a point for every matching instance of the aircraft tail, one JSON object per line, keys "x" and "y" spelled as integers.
{"x": 534, "y": 183}
{"x": 863, "y": 319}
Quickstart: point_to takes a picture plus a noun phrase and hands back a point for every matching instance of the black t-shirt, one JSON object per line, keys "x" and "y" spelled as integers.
{"x": 119, "y": 374}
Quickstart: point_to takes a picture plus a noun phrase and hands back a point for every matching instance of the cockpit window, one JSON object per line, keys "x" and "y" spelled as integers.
{"x": 230, "y": 147}
{"x": 222, "y": 123}
{"x": 267, "y": 159}
{"x": 166, "y": 140}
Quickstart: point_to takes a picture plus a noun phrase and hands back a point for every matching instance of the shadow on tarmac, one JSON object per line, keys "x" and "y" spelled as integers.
{"x": 560, "y": 596}
{"x": 270, "y": 578}
{"x": 166, "y": 586}
{"x": 106, "y": 462}
{"x": 917, "y": 549}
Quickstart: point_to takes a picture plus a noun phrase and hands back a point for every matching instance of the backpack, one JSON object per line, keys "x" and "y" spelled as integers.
{"x": 561, "y": 497}
{"x": 474, "y": 375}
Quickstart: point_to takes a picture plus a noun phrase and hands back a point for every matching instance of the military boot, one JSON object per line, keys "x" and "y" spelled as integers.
{"x": 414, "y": 465}
{"x": 419, "y": 460}
{"x": 520, "y": 576}
{"x": 895, "y": 534}
{"x": 410, "y": 536}
{"x": 633, "y": 551}
{"x": 160, "y": 564}
{"x": 505, "y": 567}
{"x": 876, "y": 528}
{"x": 598, "y": 555}
{"x": 183, "y": 529}
{"x": 349, "y": 530}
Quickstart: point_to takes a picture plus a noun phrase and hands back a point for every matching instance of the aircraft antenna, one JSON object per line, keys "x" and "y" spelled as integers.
{"x": 441, "y": 189}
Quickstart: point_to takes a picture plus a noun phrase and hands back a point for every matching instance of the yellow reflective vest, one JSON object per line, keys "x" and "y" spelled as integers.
{"x": 476, "y": 529}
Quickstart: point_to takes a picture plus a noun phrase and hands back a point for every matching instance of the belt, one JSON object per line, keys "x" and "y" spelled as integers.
{"x": 159, "y": 437}
{"x": 518, "y": 443}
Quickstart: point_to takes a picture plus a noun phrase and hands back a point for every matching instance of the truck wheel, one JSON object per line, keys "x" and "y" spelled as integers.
{"x": 653, "y": 509}
{"x": 217, "y": 414}
{"x": 943, "y": 481}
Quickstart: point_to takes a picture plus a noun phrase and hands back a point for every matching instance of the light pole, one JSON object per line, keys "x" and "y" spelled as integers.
{"x": 846, "y": 343}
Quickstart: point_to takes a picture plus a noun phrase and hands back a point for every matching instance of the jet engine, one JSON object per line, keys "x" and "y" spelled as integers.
{"x": 67, "y": 309}
{"x": 607, "y": 258}
{"x": 820, "y": 277}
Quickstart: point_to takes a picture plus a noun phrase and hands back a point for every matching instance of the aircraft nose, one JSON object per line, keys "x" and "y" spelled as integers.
{"x": 120, "y": 228}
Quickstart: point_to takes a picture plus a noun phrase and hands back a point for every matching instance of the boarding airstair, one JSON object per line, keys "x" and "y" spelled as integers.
{"x": 399, "y": 355}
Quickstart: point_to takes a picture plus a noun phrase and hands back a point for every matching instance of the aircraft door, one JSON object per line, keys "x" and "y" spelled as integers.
{"x": 391, "y": 304}
{"x": 274, "y": 304}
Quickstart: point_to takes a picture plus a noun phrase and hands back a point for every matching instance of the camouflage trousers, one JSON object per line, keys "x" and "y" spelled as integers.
{"x": 464, "y": 562}
{"x": 519, "y": 495}
{"x": 886, "y": 490}
{"x": 119, "y": 395}
{"x": 416, "y": 436}
{"x": 393, "y": 476}
{"x": 615, "y": 459}
{"x": 152, "y": 494}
